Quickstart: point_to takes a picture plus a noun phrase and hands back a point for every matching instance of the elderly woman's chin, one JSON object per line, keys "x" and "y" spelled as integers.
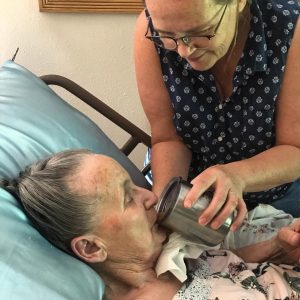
{"x": 160, "y": 235}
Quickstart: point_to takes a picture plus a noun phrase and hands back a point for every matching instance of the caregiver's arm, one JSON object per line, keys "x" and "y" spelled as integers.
{"x": 283, "y": 248}
{"x": 278, "y": 165}
{"x": 169, "y": 156}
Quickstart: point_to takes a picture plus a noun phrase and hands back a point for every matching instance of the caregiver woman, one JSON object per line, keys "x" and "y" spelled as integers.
{"x": 220, "y": 84}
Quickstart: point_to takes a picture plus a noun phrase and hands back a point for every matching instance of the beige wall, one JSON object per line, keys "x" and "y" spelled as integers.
{"x": 94, "y": 50}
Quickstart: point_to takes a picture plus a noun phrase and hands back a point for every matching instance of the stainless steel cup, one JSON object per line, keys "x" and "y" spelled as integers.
{"x": 173, "y": 215}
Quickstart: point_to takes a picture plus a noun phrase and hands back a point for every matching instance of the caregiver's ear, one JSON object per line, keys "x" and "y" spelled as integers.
{"x": 241, "y": 5}
{"x": 89, "y": 248}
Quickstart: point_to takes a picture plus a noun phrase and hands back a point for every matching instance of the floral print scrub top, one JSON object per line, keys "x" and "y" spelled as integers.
{"x": 244, "y": 124}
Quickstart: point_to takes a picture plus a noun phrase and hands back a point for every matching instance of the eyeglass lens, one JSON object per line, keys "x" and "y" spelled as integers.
{"x": 191, "y": 41}
{"x": 202, "y": 42}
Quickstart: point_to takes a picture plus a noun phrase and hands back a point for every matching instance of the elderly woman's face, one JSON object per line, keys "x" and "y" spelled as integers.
{"x": 125, "y": 215}
{"x": 179, "y": 18}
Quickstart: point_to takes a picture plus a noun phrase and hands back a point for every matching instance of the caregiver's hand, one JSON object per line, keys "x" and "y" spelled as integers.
{"x": 228, "y": 196}
{"x": 288, "y": 240}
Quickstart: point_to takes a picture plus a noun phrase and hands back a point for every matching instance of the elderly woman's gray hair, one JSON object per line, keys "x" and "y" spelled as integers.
{"x": 44, "y": 190}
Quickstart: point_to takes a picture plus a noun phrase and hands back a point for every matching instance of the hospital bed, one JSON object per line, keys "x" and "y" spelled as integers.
{"x": 35, "y": 122}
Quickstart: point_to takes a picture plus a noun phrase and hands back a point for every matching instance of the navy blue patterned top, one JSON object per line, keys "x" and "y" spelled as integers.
{"x": 244, "y": 124}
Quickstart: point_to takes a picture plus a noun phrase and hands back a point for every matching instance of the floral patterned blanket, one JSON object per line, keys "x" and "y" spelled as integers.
{"x": 221, "y": 275}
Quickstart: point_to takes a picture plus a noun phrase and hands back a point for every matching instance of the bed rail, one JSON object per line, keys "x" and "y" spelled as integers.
{"x": 136, "y": 134}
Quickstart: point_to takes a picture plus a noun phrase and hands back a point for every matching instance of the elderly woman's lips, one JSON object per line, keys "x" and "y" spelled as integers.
{"x": 155, "y": 223}
{"x": 166, "y": 233}
{"x": 154, "y": 218}
{"x": 166, "y": 239}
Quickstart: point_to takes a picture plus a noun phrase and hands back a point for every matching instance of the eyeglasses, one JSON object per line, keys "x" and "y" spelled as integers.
{"x": 196, "y": 41}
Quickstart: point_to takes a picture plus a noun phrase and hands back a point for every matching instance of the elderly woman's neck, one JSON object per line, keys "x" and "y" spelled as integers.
{"x": 163, "y": 287}
{"x": 122, "y": 279}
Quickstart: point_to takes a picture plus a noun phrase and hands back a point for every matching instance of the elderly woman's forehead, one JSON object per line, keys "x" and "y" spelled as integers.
{"x": 97, "y": 167}
{"x": 97, "y": 171}
{"x": 105, "y": 164}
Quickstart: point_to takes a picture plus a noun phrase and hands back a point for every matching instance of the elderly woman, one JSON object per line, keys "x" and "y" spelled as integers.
{"x": 87, "y": 205}
{"x": 219, "y": 83}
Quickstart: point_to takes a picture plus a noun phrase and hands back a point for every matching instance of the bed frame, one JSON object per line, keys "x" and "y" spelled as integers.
{"x": 137, "y": 135}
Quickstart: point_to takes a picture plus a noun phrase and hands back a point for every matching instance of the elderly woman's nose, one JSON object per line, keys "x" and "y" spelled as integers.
{"x": 150, "y": 200}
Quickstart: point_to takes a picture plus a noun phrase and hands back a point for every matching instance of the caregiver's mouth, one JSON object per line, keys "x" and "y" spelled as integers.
{"x": 195, "y": 59}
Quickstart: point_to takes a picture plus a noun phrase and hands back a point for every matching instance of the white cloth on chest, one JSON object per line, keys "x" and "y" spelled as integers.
{"x": 175, "y": 251}
{"x": 262, "y": 224}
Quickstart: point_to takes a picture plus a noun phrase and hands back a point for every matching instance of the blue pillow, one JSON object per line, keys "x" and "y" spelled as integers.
{"x": 35, "y": 122}
{"x": 32, "y": 269}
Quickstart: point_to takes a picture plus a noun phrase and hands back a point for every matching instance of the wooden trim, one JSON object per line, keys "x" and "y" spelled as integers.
{"x": 92, "y": 6}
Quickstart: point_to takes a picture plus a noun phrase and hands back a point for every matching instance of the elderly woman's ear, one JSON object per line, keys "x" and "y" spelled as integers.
{"x": 89, "y": 248}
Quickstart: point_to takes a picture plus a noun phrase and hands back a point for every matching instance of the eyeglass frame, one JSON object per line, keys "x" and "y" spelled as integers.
{"x": 186, "y": 39}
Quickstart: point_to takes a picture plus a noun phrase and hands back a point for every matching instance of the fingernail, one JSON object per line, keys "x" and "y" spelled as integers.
{"x": 215, "y": 225}
{"x": 202, "y": 221}
{"x": 187, "y": 204}
{"x": 233, "y": 228}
